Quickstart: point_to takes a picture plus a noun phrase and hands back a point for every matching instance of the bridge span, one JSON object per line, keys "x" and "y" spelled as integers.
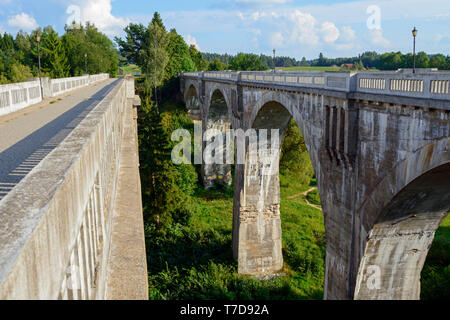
{"x": 380, "y": 147}
{"x": 71, "y": 224}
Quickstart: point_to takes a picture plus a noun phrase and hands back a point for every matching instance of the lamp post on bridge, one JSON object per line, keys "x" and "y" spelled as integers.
{"x": 38, "y": 40}
{"x": 274, "y": 66}
{"x": 85, "y": 62}
{"x": 414, "y": 33}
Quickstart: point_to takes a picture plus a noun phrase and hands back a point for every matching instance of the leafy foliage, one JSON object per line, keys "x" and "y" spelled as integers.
{"x": 61, "y": 56}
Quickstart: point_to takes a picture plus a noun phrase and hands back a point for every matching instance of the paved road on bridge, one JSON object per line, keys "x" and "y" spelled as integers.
{"x": 29, "y": 135}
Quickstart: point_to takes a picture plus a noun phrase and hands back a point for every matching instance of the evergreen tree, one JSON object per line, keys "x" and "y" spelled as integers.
{"x": 54, "y": 62}
{"x": 154, "y": 54}
{"x": 164, "y": 203}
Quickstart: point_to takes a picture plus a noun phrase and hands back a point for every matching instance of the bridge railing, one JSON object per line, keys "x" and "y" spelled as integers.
{"x": 16, "y": 96}
{"x": 432, "y": 85}
{"x": 55, "y": 225}
{"x": 425, "y": 84}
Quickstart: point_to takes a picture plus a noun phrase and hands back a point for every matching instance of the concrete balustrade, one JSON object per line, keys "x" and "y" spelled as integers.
{"x": 424, "y": 84}
{"x": 57, "y": 225}
{"x": 16, "y": 96}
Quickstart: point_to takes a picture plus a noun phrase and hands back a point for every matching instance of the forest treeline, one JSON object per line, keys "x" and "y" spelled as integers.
{"x": 79, "y": 49}
{"x": 367, "y": 60}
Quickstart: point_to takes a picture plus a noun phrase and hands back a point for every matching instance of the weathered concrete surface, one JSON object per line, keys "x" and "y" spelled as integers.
{"x": 127, "y": 267}
{"x": 55, "y": 226}
{"x": 364, "y": 153}
{"x": 17, "y": 96}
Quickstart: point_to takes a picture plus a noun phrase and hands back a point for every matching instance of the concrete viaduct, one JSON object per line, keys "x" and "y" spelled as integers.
{"x": 71, "y": 223}
{"x": 380, "y": 147}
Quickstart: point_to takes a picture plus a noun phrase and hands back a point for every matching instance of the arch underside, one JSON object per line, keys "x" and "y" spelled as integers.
{"x": 193, "y": 102}
{"x": 259, "y": 232}
{"x": 398, "y": 245}
{"x": 218, "y": 120}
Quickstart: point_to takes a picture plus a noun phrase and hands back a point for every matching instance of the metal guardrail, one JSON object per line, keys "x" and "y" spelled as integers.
{"x": 425, "y": 84}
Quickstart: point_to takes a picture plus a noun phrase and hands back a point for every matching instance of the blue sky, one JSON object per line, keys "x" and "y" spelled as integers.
{"x": 295, "y": 28}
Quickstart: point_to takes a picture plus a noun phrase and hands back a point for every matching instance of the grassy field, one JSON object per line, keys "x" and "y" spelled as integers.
{"x": 130, "y": 69}
{"x": 435, "y": 281}
{"x": 195, "y": 261}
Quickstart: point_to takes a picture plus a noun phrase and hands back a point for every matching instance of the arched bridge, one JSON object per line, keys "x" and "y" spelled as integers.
{"x": 380, "y": 147}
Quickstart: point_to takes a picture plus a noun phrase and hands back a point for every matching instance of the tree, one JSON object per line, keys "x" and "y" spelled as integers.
{"x": 200, "y": 63}
{"x": 20, "y": 73}
{"x": 180, "y": 56}
{"x": 131, "y": 47}
{"x": 438, "y": 61}
{"x": 216, "y": 65}
{"x": 304, "y": 63}
{"x": 164, "y": 203}
{"x": 154, "y": 54}
{"x": 247, "y": 62}
{"x": 54, "y": 62}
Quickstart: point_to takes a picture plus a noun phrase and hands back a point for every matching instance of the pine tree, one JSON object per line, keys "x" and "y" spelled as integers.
{"x": 164, "y": 202}
{"x": 55, "y": 62}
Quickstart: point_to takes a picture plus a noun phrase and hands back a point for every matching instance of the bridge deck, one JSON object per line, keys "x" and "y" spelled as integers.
{"x": 29, "y": 135}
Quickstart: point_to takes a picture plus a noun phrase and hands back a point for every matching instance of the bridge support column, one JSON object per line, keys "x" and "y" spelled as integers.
{"x": 257, "y": 223}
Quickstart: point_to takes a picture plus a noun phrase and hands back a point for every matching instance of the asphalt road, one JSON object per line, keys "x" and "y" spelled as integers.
{"x": 27, "y": 137}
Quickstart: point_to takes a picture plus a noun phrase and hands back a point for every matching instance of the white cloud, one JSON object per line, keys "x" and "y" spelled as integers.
{"x": 347, "y": 34}
{"x": 277, "y": 39}
{"x": 190, "y": 40}
{"x": 99, "y": 12}
{"x": 377, "y": 39}
{"x": 329, "y": 32}
{"x": 23, "y": 21}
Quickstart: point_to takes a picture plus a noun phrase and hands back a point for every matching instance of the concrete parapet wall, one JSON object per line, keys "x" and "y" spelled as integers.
{"x": 16, "y": 96}
{"x": 55, "y": 225}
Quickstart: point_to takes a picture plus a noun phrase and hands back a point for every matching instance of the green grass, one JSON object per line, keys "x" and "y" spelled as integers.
{"x": 130, "y": 69}
{"x": 314, "y": 198}
{"x": 435, "y": 281}
{"x": 195, "y": 261}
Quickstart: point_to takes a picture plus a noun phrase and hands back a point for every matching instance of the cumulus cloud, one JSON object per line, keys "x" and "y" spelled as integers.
{"x": 329, "y": 32}
{"x": 99, "y": 12}
{"x": 292, "y": 27}
{"x": 23, "y": 21}
{"x": 347, "y": 34}
{"x": 377, "y": 38}
{"x": 190, "y": 40}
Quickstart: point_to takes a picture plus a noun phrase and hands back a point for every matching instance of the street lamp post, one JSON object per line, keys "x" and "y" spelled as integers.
{"x": 85, "y": 63}
{"x": 414, "y": 33}
{"x": 38, "y": 40}
{"x": 274, "y": 66}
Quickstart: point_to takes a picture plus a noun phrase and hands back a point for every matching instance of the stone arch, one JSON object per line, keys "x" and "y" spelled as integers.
{"x": 257, "y": 231}
{"x": 217, "y": 117}
{"x": 192, "y": 100}
{"x": 213, "y": 89}
{"x": 403, "y": 227}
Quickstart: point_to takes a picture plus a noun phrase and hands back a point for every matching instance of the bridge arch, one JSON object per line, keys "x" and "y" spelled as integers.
{"x": 217, "y": 119}
{"x": 257, "y": 231}
{"x": 401, "y": 232}
{"x": 192, "y": 100}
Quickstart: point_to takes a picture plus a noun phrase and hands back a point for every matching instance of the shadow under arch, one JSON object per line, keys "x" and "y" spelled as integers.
{"x": 257, "y": 234}
{"x": 192, "y": 101}
{"x": 217, "y": 165}
{"x": 398, "y": 244}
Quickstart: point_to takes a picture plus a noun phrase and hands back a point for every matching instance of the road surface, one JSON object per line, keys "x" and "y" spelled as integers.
{"x": 29, "y": 135}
